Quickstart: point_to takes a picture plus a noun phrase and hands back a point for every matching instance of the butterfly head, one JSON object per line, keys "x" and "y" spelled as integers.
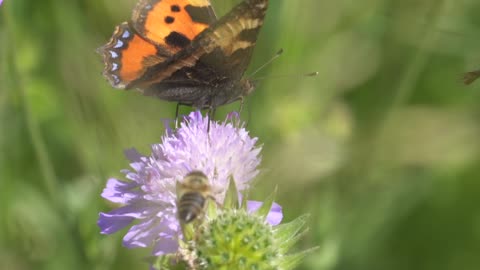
{"x": 230, "y": 92}
{"x": 247, "y": 86}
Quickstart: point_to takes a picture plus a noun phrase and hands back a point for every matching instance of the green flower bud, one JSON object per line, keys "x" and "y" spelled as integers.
{"x": 237, "y": 240}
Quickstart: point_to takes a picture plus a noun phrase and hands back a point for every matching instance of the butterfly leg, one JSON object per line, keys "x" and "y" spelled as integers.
{"x": 176, "y": 114}
{"x": 177, "y": 110}
{"x": 242, "y": 102}
{"x": 211, "y": 115}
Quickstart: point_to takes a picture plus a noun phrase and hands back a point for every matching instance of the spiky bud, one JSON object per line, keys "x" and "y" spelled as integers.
{"x": 237, "y": 240}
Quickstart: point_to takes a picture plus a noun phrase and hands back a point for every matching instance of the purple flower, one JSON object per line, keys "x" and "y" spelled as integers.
{"x": 225, "y": 151}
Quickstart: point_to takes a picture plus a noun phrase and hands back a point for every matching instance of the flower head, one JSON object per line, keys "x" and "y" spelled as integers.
{"x": 225, "y": 151}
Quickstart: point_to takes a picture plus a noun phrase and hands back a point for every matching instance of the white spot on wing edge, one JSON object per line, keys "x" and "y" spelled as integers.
{"x": 113, "y": 54}
{"x": 119, "y": 44}
{"x": 115, "y": 81}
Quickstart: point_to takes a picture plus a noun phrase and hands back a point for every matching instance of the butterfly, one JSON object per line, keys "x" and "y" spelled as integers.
{"x": 177, "y": 50}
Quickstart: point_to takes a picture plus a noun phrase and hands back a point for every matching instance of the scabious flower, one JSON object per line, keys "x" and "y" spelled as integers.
{"x": 224, "y": 152}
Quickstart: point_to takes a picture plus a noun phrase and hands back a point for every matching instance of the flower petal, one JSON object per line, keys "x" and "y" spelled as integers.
{"x": 141, "y": 235}
{"x": 275, "y": 215}
{"x": 119, "y": 191}
{"x": 109, "y": 224}
{"x": 133, "y": 155}
{"x": 165, "y": 245}
{"x": 119, "y": 218}
{"x": 146, "y": 233}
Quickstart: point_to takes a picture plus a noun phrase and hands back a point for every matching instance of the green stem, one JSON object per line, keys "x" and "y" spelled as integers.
{"x": 47, "y": 170}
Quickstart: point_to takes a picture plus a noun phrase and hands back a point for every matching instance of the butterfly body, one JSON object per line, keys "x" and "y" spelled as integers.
{"x": 177, "y": 51}
{"x": 213, "y": 94}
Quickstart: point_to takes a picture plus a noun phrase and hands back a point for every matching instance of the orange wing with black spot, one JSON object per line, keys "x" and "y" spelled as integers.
{"x": 172, "y": 23}
{"x": 158, "y": 30}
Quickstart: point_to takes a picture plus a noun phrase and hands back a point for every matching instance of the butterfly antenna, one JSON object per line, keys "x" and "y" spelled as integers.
{"x": 267, "y": 63}
{"x": 311, "y": 74}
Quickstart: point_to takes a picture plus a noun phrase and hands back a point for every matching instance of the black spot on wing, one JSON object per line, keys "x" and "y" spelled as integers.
{"x": 203, "y": 15}
{"x": 177, "y": 40}
{"x": 169, "y": 19}
{"x": 175, "y": 8}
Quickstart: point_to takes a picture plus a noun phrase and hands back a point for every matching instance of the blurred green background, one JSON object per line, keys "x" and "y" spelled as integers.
{"x": 381, "y": 148}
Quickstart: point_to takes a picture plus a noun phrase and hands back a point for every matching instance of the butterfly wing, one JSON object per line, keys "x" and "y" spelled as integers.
{"x": 235, "y": 36}
{"x": 172, "y": 24}
{"x": 221, "y": 51}
{"x": 127, "y": 56}
{"x": 158, "y": 30}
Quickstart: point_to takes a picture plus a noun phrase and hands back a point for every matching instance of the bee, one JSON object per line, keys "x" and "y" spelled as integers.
{"x": 192, "y": 194}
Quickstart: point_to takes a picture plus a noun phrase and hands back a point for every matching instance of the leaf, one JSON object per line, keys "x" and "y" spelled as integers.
{"x": 291, "y": 261}
{"x": 287, "y": 231}
{"x": 286, "y": 245}
{"x": 231, "y": 197}
{"x": 211, "y": 209}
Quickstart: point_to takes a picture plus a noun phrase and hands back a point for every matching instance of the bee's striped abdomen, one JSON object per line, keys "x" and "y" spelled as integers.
{"x": 190, "y": 206}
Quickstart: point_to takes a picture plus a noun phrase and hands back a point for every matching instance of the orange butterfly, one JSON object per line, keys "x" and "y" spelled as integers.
{"x": 177, "y": 50}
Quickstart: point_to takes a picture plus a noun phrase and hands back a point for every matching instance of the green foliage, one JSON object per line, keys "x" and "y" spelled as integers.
{"x": 381, "y": 148}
